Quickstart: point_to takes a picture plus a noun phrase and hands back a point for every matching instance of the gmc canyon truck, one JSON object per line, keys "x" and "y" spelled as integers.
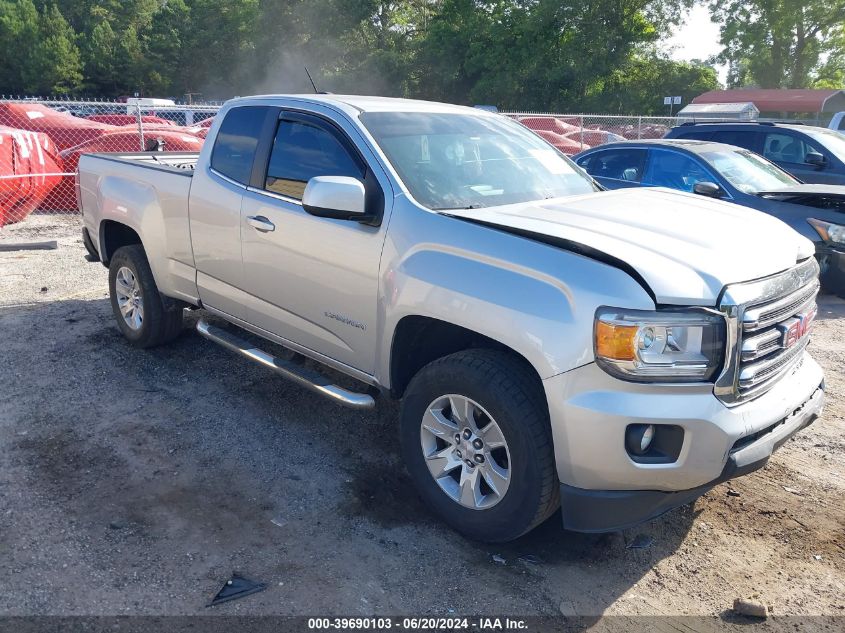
{"x": 615, "y": 354}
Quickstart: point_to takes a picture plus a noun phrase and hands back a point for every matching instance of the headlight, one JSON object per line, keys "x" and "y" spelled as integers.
{"x": 664, "y": 346}
{"x": 829, "y": 232}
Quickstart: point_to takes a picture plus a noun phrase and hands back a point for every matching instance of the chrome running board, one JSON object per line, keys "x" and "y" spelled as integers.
{"x": 302, "y": 376}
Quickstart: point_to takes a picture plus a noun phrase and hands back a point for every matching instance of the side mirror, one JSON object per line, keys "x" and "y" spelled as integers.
{"x": 338, "y": 197}
{"x": 709, "y": 189}
{"x": 814, "y": 158}
{"x": 630, "y": 174}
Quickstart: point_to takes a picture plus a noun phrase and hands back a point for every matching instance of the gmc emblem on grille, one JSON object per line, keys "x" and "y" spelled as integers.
{"x": 795, "y": 329}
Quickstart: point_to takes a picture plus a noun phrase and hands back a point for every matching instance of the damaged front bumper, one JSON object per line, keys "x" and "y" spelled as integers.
{"x": 611, "y": 510}
{"x": 605, "y": 488}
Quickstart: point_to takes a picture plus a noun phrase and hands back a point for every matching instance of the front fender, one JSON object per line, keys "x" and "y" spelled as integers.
{"x": 536, "y": 299}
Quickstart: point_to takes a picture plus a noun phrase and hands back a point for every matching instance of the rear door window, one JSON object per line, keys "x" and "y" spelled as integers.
{"x": 697, "y": 135}
{"x": 619, "y": 164}
{"x": 236, "y": 142}
{"x": 740, "y": 138}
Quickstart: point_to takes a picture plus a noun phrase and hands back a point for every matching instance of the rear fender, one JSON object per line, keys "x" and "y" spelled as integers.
{"x": 119, "y": 192}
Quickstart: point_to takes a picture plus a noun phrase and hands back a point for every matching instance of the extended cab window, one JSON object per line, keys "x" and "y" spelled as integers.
{"x": 301, "y": 151}
{"x": 234, "y": 147}
{"x": 619, "y": 164}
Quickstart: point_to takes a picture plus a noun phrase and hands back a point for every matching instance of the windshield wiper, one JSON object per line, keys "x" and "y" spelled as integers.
{"x": 471, "y": 206}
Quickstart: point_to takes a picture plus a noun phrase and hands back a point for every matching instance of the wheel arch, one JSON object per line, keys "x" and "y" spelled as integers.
{"x": 419, "y": 340}
{"x": 113, "y": 235}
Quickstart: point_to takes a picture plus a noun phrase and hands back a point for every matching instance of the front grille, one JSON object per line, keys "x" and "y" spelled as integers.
{"x": 760, "y": 317}
{"x": 769, "y": 320}
{"x": 753, "y": 375}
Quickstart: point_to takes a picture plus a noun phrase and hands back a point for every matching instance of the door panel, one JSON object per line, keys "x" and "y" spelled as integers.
{"x": 215, "y": 208}
{"x": 313, "y": 281}
{"x": 613, "y": 183}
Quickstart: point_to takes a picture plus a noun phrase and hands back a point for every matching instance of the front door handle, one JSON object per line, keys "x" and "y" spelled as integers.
{"x": 260, "y": 223}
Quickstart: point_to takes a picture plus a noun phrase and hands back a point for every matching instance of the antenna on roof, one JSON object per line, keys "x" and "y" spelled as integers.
{"x": 316, "y": 92}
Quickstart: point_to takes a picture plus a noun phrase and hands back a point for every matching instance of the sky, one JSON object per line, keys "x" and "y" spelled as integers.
{"x": 696, "y": 38}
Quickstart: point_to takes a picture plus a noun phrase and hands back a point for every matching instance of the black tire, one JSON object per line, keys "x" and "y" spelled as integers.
{"x": 507, "y": 388}
{"x": 162, "y": 318}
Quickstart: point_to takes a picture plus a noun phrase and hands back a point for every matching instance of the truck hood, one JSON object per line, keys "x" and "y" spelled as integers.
{"x": 685, "y": 247}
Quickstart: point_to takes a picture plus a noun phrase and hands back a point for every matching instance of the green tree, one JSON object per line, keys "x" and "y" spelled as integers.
{"x": 518, "y": 54}
{"x": 542, "y": 55}
{"x": 465, "y": 41}
{"x": 19, "y": 28}
{"x": 51, "y": 62}
{"x": 831, "y": 73}
{"x": 638, "y": 87}
{"x": 356, "y": 45}
{"x": 163, "y": 42}
{"x": 84, "y": 15}
{"x": 215, "y": 41}
{"x": 776, "y": 43}
{"x": 110, "y": 41}
{"x": 99, "y": 51}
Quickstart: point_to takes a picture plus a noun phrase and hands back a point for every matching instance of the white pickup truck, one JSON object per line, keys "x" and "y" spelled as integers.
{"x": 615, "y": 354}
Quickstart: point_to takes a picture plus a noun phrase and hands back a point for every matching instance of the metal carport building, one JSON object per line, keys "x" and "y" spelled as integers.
{"x": 819, "y": 104}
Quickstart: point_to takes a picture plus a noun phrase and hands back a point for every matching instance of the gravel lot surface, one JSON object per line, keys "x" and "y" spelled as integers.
{"x": 135, "y": 482}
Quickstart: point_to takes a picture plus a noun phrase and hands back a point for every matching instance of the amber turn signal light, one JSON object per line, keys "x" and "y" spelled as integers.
{"x": 616, "y": 342}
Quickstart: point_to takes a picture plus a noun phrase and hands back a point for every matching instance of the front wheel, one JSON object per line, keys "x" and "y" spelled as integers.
{"x": 476, "y": 440}
{"x": 142, "y": 315}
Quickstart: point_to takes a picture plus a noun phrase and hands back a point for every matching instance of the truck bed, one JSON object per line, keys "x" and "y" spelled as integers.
{"x": 147, "y": 192}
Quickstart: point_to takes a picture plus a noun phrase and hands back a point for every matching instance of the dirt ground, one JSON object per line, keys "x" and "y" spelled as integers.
{"x": 135, "y": 482}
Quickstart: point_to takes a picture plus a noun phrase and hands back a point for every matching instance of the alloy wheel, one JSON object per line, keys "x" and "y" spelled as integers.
{"x": 130, "y": 301}
{"x": 465, "y": 451}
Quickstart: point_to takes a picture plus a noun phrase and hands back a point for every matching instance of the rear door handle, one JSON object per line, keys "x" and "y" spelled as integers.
{"x": 260, "y": 223}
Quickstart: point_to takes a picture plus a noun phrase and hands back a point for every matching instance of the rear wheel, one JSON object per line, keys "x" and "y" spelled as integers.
{"x": 476, "y": 440}
{"x": 142, "y": 315}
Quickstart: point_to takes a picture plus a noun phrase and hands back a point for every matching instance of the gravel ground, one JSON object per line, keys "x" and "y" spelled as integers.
{"x": 135, "y": 482}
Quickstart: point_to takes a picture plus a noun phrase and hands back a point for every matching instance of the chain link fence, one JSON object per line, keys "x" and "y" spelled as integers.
{"x": 41, "y": 141}
{"x": 573, "y": 133}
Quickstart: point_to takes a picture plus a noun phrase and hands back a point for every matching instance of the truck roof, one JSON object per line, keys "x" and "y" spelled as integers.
{"x": 356, "y": 104}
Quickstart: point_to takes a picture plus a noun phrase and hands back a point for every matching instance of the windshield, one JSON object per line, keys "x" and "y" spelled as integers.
{"x": 834, "y": 141}
{"x": 466, "y": 161}
{"x": 748, "y": 172}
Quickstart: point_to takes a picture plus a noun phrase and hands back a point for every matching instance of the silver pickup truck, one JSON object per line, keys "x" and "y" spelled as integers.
{"x": 615, "y": 354}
